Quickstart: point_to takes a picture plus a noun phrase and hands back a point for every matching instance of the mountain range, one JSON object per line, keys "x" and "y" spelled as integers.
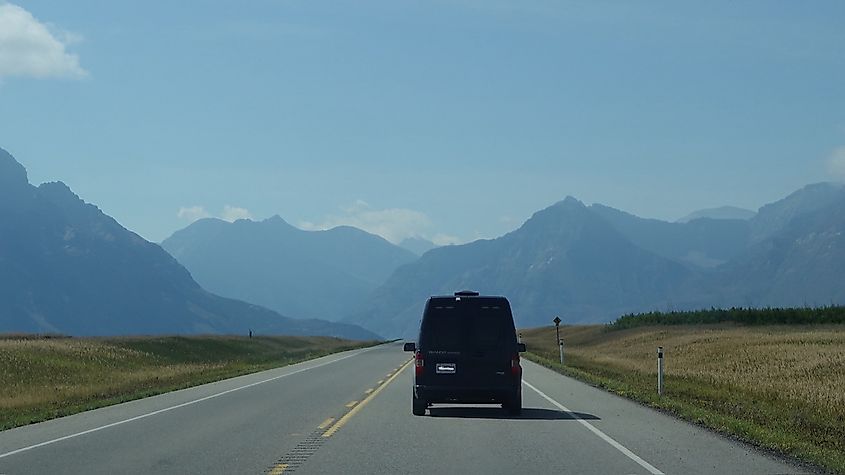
{"x": 66, "y": 267}
{"x": 316, "y": 274}
{"x": 595, "y": 263}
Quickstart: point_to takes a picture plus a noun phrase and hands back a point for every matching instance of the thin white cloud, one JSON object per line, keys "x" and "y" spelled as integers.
{"x": 836, "y": 163}
{"x": 393, "y": 224}
{"x": 29, "y": 48}
{"x": 233, "y": 213}
{"x": 193, "y": 213}
{"x": 229, "y": 213}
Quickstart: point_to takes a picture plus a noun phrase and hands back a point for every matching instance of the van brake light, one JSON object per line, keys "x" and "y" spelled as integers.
{"x": 516, "y": 369}
{"x": 418, "y": 363}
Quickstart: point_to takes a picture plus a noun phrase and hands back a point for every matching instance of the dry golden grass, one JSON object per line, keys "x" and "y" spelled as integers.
{"x": 41, "y": 378}
{"x": 781, "y": 386}
{"x": 804, "y": 364}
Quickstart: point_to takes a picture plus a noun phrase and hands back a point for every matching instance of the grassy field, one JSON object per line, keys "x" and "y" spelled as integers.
{"x": 42, "y": 377}
{"x": 781, "y": 387}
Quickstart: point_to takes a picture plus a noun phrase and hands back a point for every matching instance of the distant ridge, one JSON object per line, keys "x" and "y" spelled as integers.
{"x": 313, "y": 274}
{"x": 723, "y": 212}
{"x": 417, "y": 245}
{"x": 66, "y": 267}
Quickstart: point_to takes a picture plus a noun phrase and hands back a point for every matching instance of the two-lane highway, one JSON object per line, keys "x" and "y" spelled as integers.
{"x": 351, "y": 413}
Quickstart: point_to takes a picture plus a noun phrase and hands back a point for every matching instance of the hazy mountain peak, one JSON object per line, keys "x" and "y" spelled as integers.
{"x": 775, "y": 216}
{"x": 558, "y": 213}
{"x": 814, "y": 195}
{"x": 277, "y": 223}
{"x": 570, "y": 202}
{"x": 12, "y": 173}
{"x": 296, "y": 272}
{"x": 58, "y": 191}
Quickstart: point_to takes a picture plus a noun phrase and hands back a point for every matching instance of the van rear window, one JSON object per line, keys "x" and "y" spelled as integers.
{"x": 466, "y": 327}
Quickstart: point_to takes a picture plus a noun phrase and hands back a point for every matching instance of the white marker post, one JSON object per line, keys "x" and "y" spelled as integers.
{"x": 557, "y": 321}
{"x": 561, "y": 351}
{"x": 660, "y": 371}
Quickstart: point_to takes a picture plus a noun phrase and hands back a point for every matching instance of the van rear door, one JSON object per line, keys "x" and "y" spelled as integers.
{"x": 490, "y": 345}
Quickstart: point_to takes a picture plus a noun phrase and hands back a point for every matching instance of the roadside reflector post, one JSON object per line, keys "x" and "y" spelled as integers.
{"x": 561, "y": 351}
{"x": 557, "y": 321}
{"x": 660, "y": 371}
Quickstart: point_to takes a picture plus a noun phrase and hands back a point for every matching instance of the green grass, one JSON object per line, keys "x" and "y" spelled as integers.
{"x": 46, "y": 377}
{"x": 779, "y": 387}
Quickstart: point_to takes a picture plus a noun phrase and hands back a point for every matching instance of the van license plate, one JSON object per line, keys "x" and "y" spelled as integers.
{"x": 445, "y": 368}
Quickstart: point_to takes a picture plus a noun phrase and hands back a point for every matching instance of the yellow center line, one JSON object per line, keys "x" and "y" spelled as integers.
{"x": 351, "y": 404}
{"x": 326, "y": 423}
{"x": 278, "y": 469}
{"x": 343, "y": 420}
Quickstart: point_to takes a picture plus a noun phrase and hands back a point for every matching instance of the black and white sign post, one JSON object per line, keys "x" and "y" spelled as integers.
{"x": 557, "y": 321}
{"x": 659, "y": 370}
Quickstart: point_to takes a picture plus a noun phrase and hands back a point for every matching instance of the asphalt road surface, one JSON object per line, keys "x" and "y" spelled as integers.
{"x": 351, "y": 413}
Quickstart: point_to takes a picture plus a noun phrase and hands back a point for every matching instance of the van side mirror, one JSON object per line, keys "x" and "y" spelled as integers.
{"x": 412, "y": 346}
{"x": 519, "y": 346}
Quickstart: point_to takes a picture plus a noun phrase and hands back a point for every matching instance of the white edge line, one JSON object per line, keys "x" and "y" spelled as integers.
{"x": 166, "y": 409}
{"x": 602, "y": 435}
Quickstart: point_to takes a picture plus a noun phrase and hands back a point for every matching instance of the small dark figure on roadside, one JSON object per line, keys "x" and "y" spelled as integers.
{"x": 250, "y": 332}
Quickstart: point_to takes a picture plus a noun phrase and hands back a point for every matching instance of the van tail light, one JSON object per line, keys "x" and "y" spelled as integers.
{"x": 418, "y": 363}
{"x": 516, "y": 369}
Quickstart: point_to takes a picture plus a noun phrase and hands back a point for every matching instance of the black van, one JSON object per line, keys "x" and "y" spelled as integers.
{"x": 467, "y": 353}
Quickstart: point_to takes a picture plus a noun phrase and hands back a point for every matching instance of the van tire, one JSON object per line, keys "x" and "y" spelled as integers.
{"x": 419, "y": 406}
{"x": 514, "y": 406}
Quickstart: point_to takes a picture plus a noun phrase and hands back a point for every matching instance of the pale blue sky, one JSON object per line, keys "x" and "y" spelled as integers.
{"x": 446, "y": 119}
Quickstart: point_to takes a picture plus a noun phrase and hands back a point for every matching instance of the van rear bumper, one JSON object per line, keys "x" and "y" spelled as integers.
{"x": 468, "y": 395}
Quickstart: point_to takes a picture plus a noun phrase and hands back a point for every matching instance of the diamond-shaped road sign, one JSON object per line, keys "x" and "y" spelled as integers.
{"x": 557, "y": 321}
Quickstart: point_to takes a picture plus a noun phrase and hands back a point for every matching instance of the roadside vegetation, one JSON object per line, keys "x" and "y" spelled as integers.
{"x": 43, "y": 377}
{"x": 781, "y": 387}
{"x": 744, "y": 316}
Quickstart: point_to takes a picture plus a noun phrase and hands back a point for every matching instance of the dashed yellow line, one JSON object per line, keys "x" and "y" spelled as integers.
{"x": 326, "y": 423}
{"x": 343, "y": 420}
{"x": 368, "y": 391}
{"x": 278, "y": 469}
{"x": 379, "y": 382}
{"x": 351, "y": 404}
